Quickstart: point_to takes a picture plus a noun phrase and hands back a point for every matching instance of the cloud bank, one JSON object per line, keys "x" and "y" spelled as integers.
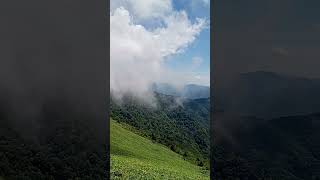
{"x": 137, "y": 52}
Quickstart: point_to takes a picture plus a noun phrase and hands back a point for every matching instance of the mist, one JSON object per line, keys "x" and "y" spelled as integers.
{"x": 265, "y": 88}
{"x": 52, "y": 58}
{"x": 138, "y": 50}
{"x": 53, "y": 89}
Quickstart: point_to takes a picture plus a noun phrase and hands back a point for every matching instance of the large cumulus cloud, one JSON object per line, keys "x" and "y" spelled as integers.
{"x": 138, "y": 52}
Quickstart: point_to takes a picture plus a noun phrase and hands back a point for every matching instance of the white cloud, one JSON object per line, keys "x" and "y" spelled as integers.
{"x": 137, "y": 54}
{"x": 196, "y": 61}
{"x": 206, "y": 2}
{"x": 181, "y": 78}
{"x": 197, "y": 77}
{"x": 144, "y": 9}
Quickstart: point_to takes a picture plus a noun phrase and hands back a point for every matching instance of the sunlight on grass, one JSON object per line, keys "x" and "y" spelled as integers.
{"x": 136, "y": 157}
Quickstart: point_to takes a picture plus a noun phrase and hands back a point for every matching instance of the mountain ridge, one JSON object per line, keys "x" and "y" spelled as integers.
{"x": 188, "y": 91}
{"x": 183, "y": 125}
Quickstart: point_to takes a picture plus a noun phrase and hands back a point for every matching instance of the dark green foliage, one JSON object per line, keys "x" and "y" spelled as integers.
{"x": 182, "y": 126}
{"x": 61, "y": 150}
{"x": 283, "y": 148}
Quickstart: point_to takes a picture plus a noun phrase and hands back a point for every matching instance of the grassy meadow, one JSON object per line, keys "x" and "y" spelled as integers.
{"x": 136, "y": 157}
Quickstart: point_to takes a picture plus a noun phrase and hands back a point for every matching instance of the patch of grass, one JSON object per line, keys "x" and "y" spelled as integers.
{"x": 136, "y": 157}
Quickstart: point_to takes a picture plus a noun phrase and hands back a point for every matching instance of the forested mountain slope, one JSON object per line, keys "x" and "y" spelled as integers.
{"x": 180, "y": 124}
{"x": 280, "y": 148}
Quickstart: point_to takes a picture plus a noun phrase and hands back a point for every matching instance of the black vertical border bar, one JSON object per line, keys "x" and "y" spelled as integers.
{"x": 107, "y": 90}
{"x": 212, "y": 80}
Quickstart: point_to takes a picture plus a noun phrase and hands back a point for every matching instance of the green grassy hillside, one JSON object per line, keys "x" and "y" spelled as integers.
{"x": 181, "y": 125}
{"x": 136, "y": 157}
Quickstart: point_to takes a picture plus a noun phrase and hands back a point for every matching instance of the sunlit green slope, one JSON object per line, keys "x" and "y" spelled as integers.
{"x": 136, "y": 157}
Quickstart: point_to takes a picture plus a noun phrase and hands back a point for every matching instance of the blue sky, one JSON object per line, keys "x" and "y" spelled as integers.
{"x": 158, "y": 41}
{"x": 183, "y": 63}
{"x": 200, "y": 47}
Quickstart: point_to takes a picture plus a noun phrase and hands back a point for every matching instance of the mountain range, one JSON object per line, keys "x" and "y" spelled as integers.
{"x": 266, "y": 127}
{"x": 180, "y": 124}
{"x": 269, "y": 95}
{"x": 189, "y": 91}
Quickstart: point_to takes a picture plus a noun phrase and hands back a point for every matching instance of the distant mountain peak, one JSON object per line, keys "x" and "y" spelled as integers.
{"x": 188, "y": 91}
